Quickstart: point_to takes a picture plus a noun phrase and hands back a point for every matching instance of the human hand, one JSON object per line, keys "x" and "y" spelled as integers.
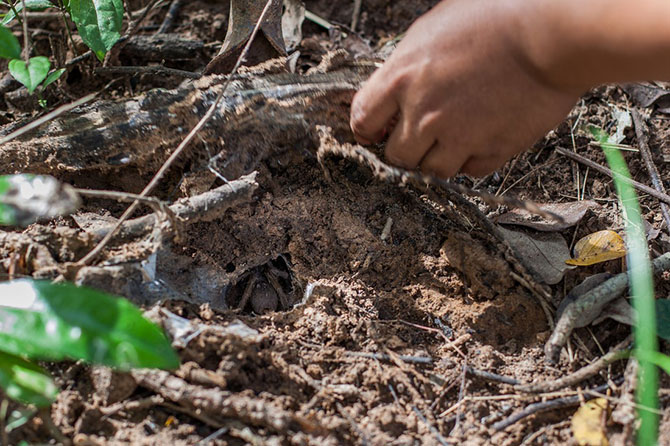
{"x": 463, "y": 92}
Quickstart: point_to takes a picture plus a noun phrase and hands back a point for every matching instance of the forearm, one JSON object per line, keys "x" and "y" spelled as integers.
{"x": 577, "y": 44}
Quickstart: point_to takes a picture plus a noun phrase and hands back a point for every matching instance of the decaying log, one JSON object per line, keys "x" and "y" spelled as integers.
{"x": 258, "y": 114}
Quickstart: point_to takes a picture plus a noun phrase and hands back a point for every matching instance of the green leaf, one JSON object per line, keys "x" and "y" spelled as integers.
{"x": 99, "y": 23}
{"x": 26, "y": 198}
{"x": 44, "y": 320}
{"x": 656, "y": 358}
{"x": 25, "y": 382}
{"x": 53, "y": 77}
{"x": 30, "y": 74}
{"x": 663, "y": 318}
{"x": 31, "y": 5}
{"x": 19, "y": 417}
{"x": 9, "y": 44}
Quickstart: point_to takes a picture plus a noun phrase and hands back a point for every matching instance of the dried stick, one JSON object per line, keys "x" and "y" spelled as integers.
{"x": 204, "y": 207}
{"x": 355, "y": 15}
{"x": 642, "y": 133}
{"x": 398, "y": 175}
{"x": 191, "y": 135}
{"x": 170, "y": 17}
{"x": 385, "y": 357}
{"x": 219, "y": 403}
{"x": 26, "y": 37}
{"x": 151, "y": 69}
{"x": 665, "y": 198}
{"x": 491, "y": 376}
{"x": 547, "y": 405}
{"x": 51, "y": 115}
{"x": 621, "y": 352}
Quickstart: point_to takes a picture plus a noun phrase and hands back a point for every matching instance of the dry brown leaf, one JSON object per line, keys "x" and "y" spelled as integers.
{"x": 544, "y": 254}
{"x": 598, "y": 247}
{"x": 646, "y": 95}
{"x": 587, "y": 423}
{"x": 571, "y": 212}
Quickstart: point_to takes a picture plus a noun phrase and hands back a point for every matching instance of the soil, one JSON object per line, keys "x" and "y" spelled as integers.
{"x": 331, "y": 309}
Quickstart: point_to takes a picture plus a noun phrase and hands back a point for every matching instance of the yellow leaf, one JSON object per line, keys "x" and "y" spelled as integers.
{"x": 598, "y": 247}
{"x": 587, "y": 423}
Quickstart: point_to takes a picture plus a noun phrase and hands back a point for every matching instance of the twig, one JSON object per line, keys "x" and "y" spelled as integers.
{"x": 492, "y": 376}
{"x": 170, "y": 17}
{"x": 51, "y": 115}
{"x": 665, "y": 198}
{"x": 398, "y": 175}
{"x": 461, "y": 395}
{"x": 578, "y": 376}
{"x": 642, "y": 133}
{"x": 432, "y": 428}
{"x": 384, "y": 357}
{"x": 355, "y": 15}
{"x": 220, "y": 403}
{"x": 118, "y": 196}
{"x": 545, "y": 406}
{"x": 143, "y": 403}
{"x": 216, "y": 434}
{"x": 159, "y": 175}
{"x": 26, "y": 37}
{"x": 152, "y": 69}
{"x": 599, "y": 296}
{"x": 204, "y": 207}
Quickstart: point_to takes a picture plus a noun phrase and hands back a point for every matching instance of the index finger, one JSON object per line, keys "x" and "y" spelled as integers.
{"x": 372, "y": 108}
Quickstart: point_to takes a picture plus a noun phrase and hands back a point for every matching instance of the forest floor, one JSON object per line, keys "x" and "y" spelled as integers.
{"x": 341, "y": 309}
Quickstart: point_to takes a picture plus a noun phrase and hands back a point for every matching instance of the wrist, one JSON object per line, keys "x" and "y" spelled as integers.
{"x": 575, "y": 44}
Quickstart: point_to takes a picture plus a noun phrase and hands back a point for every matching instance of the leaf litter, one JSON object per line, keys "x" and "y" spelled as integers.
{"x": 327, "y": 369}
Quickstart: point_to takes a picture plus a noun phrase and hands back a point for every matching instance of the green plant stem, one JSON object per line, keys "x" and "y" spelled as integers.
{"x": 16, "y": 13}
{"x": 642, "y": 291}
{"x": 69, "y": 34}
{"x": 26, "y": 38}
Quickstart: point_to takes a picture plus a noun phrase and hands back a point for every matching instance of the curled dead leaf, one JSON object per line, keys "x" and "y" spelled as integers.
{"x": 598, "y": 247}
{"x": 571, "y": 213}
{"x": 588, "y": 423}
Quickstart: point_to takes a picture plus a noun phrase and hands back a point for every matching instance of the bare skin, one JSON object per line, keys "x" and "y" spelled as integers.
{"x": 475, "y": 82}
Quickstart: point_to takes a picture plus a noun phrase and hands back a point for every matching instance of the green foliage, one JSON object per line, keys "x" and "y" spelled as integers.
{"x": 31, "y": 5}
{"x": 26, "y": 382}
{"x": 642, "y": 292}
{"x": 9, "y": 44}
{"x": 663, "y": 318}
{"x": 30, "y": 74}
{"x": 44, "y": 320}
{"x": 53, "y": 77}
{"x": 55, "y": 321}
{"x": 98, "y": 22}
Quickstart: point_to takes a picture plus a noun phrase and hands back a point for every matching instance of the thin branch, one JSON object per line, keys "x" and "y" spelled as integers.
{"x": 642, "y": 133}
{"x": 170, "y": 16}
{"x": 580, "y": 375}
{"x": 159, "y": 175}
{"x": 544, "y": 406}
{"x": 26, "y": 37}
{"x": 151, "y": 69}
{"x": 491, "y": 376}
{"x": 51, "y": 115}
{"x": 665, "y": 198}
